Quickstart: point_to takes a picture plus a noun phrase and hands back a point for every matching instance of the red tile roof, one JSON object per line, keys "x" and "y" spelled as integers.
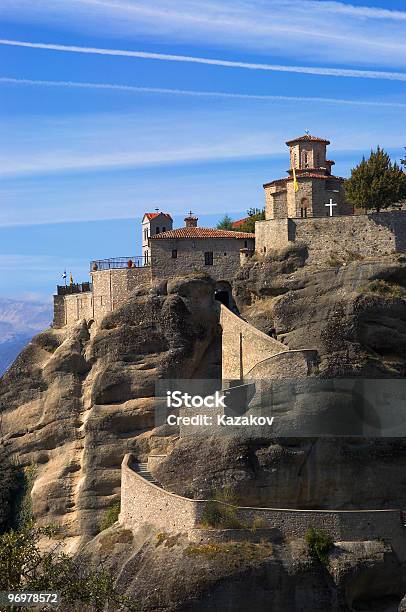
{"x": 239, "y": 222}
{"x": 314, "y": 175}
{"x": 201, "y": 232}
{"x": 307, "y": 138}
{"x": 156, "y": 214}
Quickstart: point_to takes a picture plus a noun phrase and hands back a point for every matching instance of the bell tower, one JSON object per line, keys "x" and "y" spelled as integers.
{"x": 308, "y": 153}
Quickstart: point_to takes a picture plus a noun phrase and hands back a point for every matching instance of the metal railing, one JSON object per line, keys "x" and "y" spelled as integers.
{"x": 139, "y": 261}
{"x": 74, "y": 288}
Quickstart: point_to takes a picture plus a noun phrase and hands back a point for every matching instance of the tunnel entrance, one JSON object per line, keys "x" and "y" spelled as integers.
{"x": 222, "y": 296}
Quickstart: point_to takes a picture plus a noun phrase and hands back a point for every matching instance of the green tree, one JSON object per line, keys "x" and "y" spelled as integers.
{"x": 11, "y": 476}
{"x": 403, "y": 161}
{"x": 320, "y": 543}
{"x": 110, "y": 516}
{"x": 376, "y": 183}
{"x": 25, "y": 566}
{"x": 254, "y": 214}
{"x": 226, "y": 223}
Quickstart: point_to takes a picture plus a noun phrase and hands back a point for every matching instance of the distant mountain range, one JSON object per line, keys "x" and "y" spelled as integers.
{"x": 20, "y": 320}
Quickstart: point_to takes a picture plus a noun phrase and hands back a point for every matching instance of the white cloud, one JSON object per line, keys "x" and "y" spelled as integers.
{"x": 328, "y": 32}
{"x": 166, "y": 57}
{"x": 198, "y": 94}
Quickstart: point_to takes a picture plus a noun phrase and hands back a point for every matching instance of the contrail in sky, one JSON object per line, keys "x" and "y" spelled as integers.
{"x": 337, "y": 72}
{"x": 194, "y": 93}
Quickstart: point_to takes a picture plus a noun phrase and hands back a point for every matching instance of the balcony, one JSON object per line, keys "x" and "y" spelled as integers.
{"x": 115, "y": 263}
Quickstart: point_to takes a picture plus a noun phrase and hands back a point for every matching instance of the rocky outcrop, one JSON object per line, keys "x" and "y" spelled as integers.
{"x": 353, "y": 314}
{"x": 76, "y": 400}
{"x": 329, "y": 473}
{"x": 170, "y": 572}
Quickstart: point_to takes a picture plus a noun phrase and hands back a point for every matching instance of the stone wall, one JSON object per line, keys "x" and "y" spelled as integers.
{"x": 144, "y": 503}
{"x": 71, "y": 308}
{"x": 366, "y": 235}
{"x": 111, "y": 288}
{"x": 295, "y": 364}
{"x": 243, "y": 345}
{"x": 190, "y": 257}
{"x": 271, "y": 235}
{"x": 59, "y": 319}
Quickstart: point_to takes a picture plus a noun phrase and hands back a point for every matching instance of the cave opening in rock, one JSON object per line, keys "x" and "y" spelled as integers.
{"x": 223, "y": 296}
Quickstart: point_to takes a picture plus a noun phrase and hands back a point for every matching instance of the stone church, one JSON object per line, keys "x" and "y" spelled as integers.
{"x": 316, "y": 192}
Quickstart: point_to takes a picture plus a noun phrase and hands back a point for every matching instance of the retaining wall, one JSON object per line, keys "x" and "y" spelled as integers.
{"x": 111, "y": 288}
{"x": 243, "y": 346}
{"x": 366, "y": 235}
{"x": 68, "y": 309}
{"x": 144, "y": 503}
{"x": 295, "y": 364}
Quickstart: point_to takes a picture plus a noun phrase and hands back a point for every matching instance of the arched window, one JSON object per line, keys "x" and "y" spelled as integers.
{"x": 317, "y": 160}
{"x": 304, "y": 203}
{"x": 305, "y": 159}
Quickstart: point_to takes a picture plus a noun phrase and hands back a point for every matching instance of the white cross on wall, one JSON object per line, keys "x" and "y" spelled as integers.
{"x": 331, "y": 205}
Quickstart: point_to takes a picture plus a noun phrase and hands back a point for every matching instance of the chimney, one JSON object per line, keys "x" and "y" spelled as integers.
{"x": 191, "y": 220}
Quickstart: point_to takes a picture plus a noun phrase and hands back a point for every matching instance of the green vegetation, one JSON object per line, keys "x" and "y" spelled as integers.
{"x": 237, "y": 552}
{"x": 220, "y": 516}
{"x": 334, "y": 260}
{"x": 24, "y": 565}
{"x": 254, "y": 214}
{"x": 320, "y": 543}
{"x": 169, "y": 541}
{"x": 385, "y": 289}
{"x": 376, "y": 183}
{"x": 226, "y": 223}
{"x": 110, "y": 516}
{"x": 23, "y": 501}
{"x": 11, "y": 476}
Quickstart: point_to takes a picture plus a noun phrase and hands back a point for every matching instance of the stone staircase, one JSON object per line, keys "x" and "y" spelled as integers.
{"x": 142, "y": 470}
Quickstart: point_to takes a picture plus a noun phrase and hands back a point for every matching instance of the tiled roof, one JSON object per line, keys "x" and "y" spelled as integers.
{"x": 156, "y": 214}
{"x": 277, "y": 181}
{"x": 201, "y": 232}
{"x": 314, "y": 175}
{"x": 307, "y": 138}
{"x": 239, "y": 222}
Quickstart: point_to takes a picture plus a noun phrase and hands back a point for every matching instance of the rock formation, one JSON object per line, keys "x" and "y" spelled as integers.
{"x": 76, "y": 400}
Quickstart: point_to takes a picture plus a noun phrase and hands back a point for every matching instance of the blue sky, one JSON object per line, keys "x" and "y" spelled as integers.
{"x": 109, "y": 108}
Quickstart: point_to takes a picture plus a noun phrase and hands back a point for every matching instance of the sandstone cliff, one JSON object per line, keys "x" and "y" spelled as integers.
{"x": 75, "y": 401}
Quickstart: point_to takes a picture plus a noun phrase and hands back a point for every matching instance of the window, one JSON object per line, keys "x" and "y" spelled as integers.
{"x": 164, "y": 229}
{"x": 303, "y": 207}
{"x": 174, "y": 254}
{"x": 318, "y": 160}
{"x": 305, "y": 159}
{"x": 208, "y": 258}
{"x": 157, "y": 230}
{"x": 245, "y": 244}
{"x": 146, "y": 234}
